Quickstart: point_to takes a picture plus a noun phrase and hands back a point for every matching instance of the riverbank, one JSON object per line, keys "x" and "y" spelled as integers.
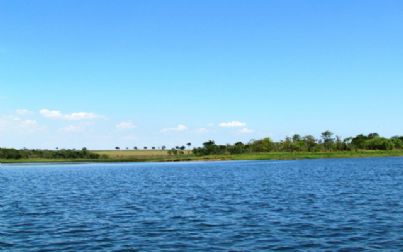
{"x": 162, "y": 156}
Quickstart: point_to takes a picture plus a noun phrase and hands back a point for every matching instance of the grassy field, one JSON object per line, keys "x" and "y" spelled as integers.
{"x": 162, "y": 156}
{"x": 131, "y": 153}
{"x": 136, "y": 153}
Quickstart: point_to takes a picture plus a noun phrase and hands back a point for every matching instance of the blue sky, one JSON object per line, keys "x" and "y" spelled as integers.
{"x": 133, "y": 73}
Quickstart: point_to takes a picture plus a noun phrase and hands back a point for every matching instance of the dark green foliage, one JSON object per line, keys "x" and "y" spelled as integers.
{"x": 264, "y": 145}
{"x": 175, "y": 151}
{"x": 210, "y": 148}
{"x": 237, "y": 148}
{"x": 47, "y": 154}
{"x": 397, "y": 142}
{"x": 328, "y": 140}
{"x": 379, "y": 143}
{"x": 297, "y": 143}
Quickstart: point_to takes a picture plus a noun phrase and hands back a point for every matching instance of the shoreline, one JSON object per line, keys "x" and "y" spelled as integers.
{"x": 226, "y": 157}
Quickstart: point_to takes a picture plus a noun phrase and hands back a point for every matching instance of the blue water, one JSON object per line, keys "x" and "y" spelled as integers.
{"x": 334, "y": 204}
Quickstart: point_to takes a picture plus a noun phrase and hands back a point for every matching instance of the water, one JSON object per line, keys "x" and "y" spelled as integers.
{"x": 343, "y": 204}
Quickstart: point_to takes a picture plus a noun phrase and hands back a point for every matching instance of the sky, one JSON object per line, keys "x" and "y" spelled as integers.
{"x": 100, "y": 74}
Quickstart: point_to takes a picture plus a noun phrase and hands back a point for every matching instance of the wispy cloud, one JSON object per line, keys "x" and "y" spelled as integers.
{"x": 52, "y": 114}
{"x": 81, "y": 116}
{"x": 23, "y": 112}
{"x": 10, "y": 123}
{"x": 125, "y": 125}
{"x": 29, "y": 123}
{"x": 178, "y": 128}
{"x": 76, "y": 116}
{"x": 72, "y": 129}
{"x": 201, "y": 130}
{"x": 232, "y": 124}
{"x": 245, "y": 131}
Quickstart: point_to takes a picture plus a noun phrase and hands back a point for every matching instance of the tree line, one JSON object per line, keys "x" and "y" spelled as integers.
{"x": 6, "y": 153}
{"x": 297, "y": 143}
{"x": 174, "y": 150}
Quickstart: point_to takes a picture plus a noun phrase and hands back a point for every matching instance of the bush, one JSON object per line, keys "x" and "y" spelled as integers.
{"x": 47, "y": 154}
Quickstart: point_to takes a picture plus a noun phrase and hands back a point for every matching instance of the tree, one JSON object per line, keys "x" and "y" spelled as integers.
{"x": 189, "y": 144}
{"x": 173, "y": 151}
{"x": 328, "y": 139}
{"x": 397, "y": 142}
{"x": 208, "y": 148}
{"x": 347, "y": 143}
{"x": 359, "y": 141}
{"x": 296, "y": 138}
{"x": 328, "y": 142}
{"x": 373, "y": 135}
{"x": 309, "y": 142}
{"x": 237, "y": 148}
{"x": 379, "y": 143}
{"x": 339, "y": 143}
{"x": 117, "y": 148}
{"x": 288, "y": 145}
{"x": 263, "y": 145}
{"x": 163, "y": 147}
{"x": 145, "y": 148}
{"x": 298, "y": 143}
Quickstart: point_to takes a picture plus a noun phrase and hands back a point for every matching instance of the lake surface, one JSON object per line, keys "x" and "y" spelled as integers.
{"x": 333, "y": 204}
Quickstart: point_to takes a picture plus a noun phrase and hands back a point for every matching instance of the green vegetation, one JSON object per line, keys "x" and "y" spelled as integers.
{"x": 47, "y": 155}
{"x": 327, "y": 143}
{"x": 163, "y": 156}
{"x": 295, "y": 147}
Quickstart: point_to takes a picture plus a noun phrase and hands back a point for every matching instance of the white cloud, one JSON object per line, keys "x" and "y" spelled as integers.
{"x": 201, "y": 130}
{"x": 76, "y": 116}
{"x": 12, "y": 123}
{"x": 125, "y": 125}
{"x": 178, "y": 128}
{"x": 245, "y": 131}
{"x": 80, "y": 116}
{"x": 52, "y": 114}
{"x": 232, "y": 124}
{"x": 23, "y": 112}
{"x": 29, "y": 123}
{"x": 72, "y": 129}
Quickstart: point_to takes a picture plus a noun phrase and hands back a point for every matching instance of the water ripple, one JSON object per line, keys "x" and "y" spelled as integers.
{"x": 344, "y": 205}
